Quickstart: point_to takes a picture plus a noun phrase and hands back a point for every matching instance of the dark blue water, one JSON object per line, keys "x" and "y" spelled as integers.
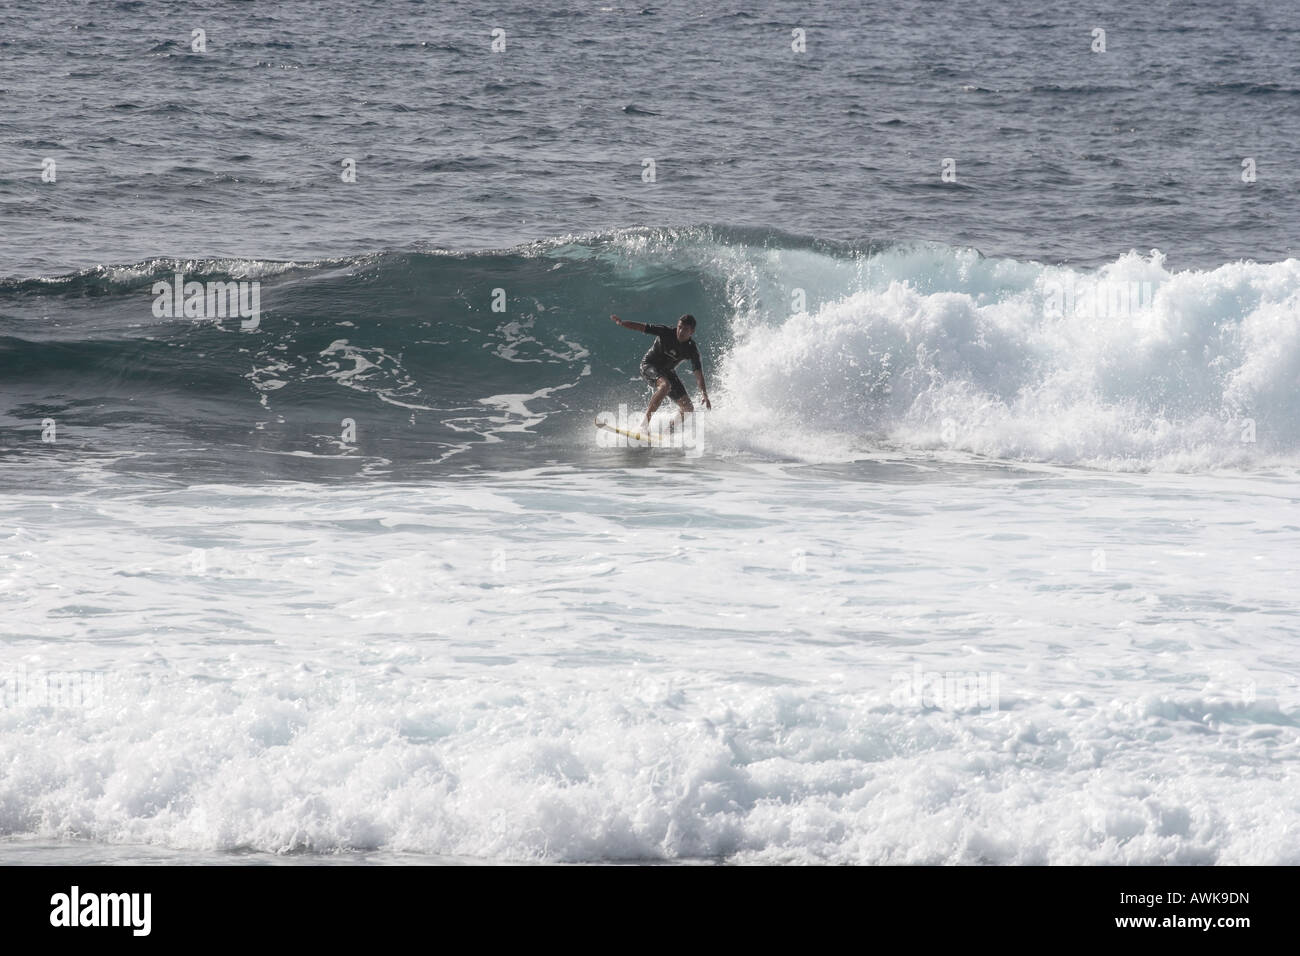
{"x": 1062, "y": 154}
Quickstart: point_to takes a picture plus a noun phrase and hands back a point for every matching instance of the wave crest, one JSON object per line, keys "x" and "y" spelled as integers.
{"x": 815, "y": 349}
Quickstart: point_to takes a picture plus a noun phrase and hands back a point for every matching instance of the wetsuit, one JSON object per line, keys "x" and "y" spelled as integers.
{"x": 666, "y": 353}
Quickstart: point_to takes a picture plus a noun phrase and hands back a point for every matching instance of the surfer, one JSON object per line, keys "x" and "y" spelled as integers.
{"x": 672, "y": 345}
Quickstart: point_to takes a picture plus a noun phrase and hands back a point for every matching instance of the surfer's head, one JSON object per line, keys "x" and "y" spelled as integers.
{"x": 685, "y": 327}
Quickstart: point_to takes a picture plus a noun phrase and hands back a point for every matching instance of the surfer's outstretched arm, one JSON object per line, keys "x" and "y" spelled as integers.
{"x": 634, "y": 326}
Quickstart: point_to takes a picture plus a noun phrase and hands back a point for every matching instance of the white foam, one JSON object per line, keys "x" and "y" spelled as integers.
{"x": 935, "y": 348}
{"x": 582, "y": 667}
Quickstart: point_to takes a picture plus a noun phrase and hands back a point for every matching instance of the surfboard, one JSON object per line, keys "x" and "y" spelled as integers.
{"x": 627, "y": 433}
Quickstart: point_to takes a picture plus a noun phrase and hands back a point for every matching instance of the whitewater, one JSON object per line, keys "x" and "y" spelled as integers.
{"x": 952, "y": 577}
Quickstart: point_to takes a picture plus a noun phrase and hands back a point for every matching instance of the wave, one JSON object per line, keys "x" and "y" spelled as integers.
{"x": 814, "y": 350}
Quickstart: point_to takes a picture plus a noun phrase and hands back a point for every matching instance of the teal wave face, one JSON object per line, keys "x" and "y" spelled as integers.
{"x": 427, "y": 355}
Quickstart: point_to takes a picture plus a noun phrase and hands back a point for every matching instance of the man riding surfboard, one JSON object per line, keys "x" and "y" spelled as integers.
{"x": 672, "y": 345}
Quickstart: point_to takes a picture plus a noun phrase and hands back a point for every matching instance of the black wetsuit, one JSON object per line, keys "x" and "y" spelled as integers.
{"x": 664, "y": 355}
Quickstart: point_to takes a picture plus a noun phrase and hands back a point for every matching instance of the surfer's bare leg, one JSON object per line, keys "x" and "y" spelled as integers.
{"x": 684, "y": 403}
{"x": 661, "y": 389}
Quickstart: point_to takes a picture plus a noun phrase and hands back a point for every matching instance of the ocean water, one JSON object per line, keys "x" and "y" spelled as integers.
{"x": 985, "y": 554}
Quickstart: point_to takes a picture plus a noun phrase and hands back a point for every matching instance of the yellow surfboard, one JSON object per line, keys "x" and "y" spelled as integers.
{"x": 626, "y": 433}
